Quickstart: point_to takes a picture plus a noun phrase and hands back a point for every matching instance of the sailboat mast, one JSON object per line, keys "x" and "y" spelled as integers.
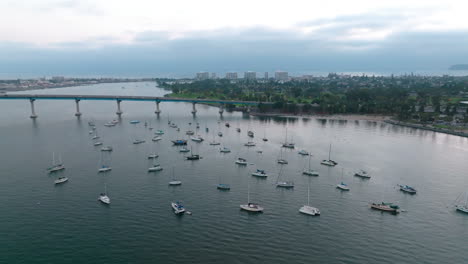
{"x": 310, "y": 157}
{"x": 248, "y": 192}
{"x": 53, "y": 158}
{"x": 308, "y": 193}
{"x": 329, "y": 152}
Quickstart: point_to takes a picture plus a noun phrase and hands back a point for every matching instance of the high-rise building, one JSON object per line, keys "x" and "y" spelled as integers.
{"x": 203, "y": 75}
{"x": 213, "y": 75}
{"x": 281, "y": 76}
{"x": 231, "y": 75}
{"x": 266, "y": 76}
{"x": 250, "y": 75}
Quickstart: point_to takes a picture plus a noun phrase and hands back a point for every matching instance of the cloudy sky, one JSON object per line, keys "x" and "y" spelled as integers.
{"x": 179, "y": 38}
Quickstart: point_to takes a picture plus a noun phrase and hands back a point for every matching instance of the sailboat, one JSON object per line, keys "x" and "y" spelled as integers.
{"x": 329, "y": 162}
{"x": 281, "y": 160}
{"x": 342, "y": 186}
{"x": 193, "y": 156}
{"x": 283, "y": 184}
{"x": 103, "y": 196}
{"x": 95, "y": 135}
{"x": 260, "y": 173}
{"x": 224, "y": 150}
{"x": 56, "y": 166}
{"x": 108, "y": 148}
{"x": 307, "y": 209}
{"x": 241, "y": 161}
{"x": 250, "y": 144}
{"x": 460, "y": 206}
{"x": 174, "y": 181}
{"x": 222, "y": 186}
{"x": 61, "y": 180}
{"x": 363, "y": 174}
{"x": 287, "y": 144}
{"x": 310, "y": 171}
{"x": 251, "y": 207}
{"x": 264, "y": 136}
{"x": 152, "y": 154}
{"x": 103, "y": 167}
{"x": 214, "y": 142}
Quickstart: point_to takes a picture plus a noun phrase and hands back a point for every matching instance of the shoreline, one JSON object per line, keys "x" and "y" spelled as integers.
{"x": 350, "y": 117}
{"x": 428, "y": 128}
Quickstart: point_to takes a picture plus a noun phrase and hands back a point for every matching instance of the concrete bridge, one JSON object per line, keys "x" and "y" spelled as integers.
{"x": 119, "y": 99}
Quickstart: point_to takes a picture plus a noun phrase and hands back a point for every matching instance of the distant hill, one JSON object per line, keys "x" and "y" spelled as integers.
{"x": 458, "y": 67}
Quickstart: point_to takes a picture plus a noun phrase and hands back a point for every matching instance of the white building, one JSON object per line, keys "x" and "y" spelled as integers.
{"x": 250, "y": 75}
{"x": 213, "y": 75}
{"x": 203, "y": 75}
{"x": 266, "y": 76}
{"x": 281, "y": 76}
{"x": 231, "y": 75}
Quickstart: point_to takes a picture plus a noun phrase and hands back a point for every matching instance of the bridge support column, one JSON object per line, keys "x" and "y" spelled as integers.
{"x": 119, "y": 111}
{"x": 221, "y": 109}
{"x": 194, "y": 109}
{"x": 158, "y": 111}
{"x": 77, "y": 114}
{"x": 33, "y": 112}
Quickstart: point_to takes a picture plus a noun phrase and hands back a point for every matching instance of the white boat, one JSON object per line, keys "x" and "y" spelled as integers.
{"x": 109, "y": 124}
{"x": 95, "y": 135}
{"x": 224, "y": 150}
{"x": 134, "y": 121}
{"x": 159, "y": 132}
{"x": 190, "y": 132}
{"x": 310, "y": 171}
{"x": 197, "y": 139}
{"x": 250, "y": 144}
{"x": 329, "y": 162}
{"x": 175, "y": 182}
{"x": 157, "y": 138}
{"x": 155, "y": 167}
{"x": 281, "y": 160}
{"x": 362, "y": 174}
{"x": 241, "y": 161}
{"x": 307, "y": 209}
{"x": 407, "y": 189}
{"x": 104, "y": 168}
{"x": 260, "y": 173}
{"x": 61, "y": 180}
{"x": 90, "y": 132}
{"x": 342, "y": 186}
{"x": 138, "y": 141}
{"x": 178, "y": 207}
{"x": 214, "y": 143}
{"x": 56, "y": 165}
{"x": 103, "y": 198}
{"x": 251, "y": 207}
{"x": 282, "y": 183}
{"x": 184, "y": 149}
{"x": 303, "y": 152}
{"x": 153, "y": 156}
{"x": 173, "y": 125}
{"x": 99, "y": 143}
{"x": 108, "y": 148}
{"x": 115, "y": 121}
{"x": 462, "y": 206}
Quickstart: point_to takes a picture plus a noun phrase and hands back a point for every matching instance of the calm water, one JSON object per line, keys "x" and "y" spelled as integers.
{"x": 43, "y": 223}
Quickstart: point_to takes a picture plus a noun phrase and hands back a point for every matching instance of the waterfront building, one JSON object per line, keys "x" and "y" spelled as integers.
{"x": 202, "y": 75}
{"x": 250, "y": 75}
{"x": 231, "y": 75}
{"x": 281, "y": 76}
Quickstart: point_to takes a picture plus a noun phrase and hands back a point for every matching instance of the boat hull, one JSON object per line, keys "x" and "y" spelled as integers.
{"x": 254, "y": 209}
{"x": 309, "y": 210}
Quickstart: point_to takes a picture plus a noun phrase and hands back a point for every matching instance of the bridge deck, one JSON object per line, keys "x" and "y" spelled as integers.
{"x": 121, "y": 98}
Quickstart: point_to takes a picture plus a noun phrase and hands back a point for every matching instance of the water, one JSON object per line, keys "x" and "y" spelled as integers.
{"x": 43, "y": 223}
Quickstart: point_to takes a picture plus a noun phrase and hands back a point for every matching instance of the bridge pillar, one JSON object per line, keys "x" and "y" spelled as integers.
{"x": 77, "y": 114}
{"x": 221, "y": 109}
{"x": 158, "y": 111}
{"x": 33, "y": 112}
{"x": 119, "y": 111}
{"x": 194, "y": 109}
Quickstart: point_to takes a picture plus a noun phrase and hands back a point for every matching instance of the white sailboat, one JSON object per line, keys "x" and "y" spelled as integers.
{"x": 462, "y": 206}
{"x": 310, "y": 171}
{"x": 224, "y": 150}
{"x": 174, "y": 181}
{"x": 260, "y": 173}
{"x": 61, "y": 180}
{"x": 250, "y": 144}
{"x": 250, "y": 207}
{"x": 307, "y": 209}
{"x": 342, "y": 186}
{"x": 103, "y": 166}
{"x": 241, "y": 161}
{"x": 281, "y": 160}
{"x": 155, "y": 167}
{"x": 283, "y": 184}
{"x": 56, "y": 166}
{"x": 103, "y": 198}
{"x": 152, "y": 154}
{"x": 95, "y": 135}
{"x": 329, "y": 162}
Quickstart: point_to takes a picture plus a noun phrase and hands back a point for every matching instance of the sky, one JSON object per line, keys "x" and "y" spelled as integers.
{"x": 179, "y": 38}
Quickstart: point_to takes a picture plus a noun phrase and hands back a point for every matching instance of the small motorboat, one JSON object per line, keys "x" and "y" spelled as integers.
{"x": 251, "y": 207}
{"x": 104, "y": 168}
{"x": 223, "y": 186}
{"x": 189, "y": 132}
{"x": 288, "y": 145}
{"x": 224, "y": 150}
{"x": 386, "y": 207}
{"x": 241, "y": 161}
{"x": 108, "y": 148}
{"x": 179, "y": 142}
{"x": 227, "y": 125}
{"x": 214, "y": 143}
{"x": 177, "y": 207}
{"x": 303, "y": 152}
{"x": 153, "y": 156}
{"x": 157, "y": 138}
{"x": 193, "y": 157}
{"x": 250, "y": 144}
{"x": 61, "y": 180}
{"x": 197, "y": 139}
{"x": 260, "y": 173}
{"x": 138, "y": 141}
{"x": 282, "y": 161}
{"x": 310, "y": 172}
{"x": 265, "y": 139}
{"x": 309, "y": 210}
{"x": 362, "y": 174}
{"x": 134, "y": 121}
{"x": 183, "y": 150}
{"x": 159, "y": 132}
{"x": 97, "y": 143}
{"x": 342, "y": 186}
{"x": 250, "y": 133}
{"x": 109, "y": 124}
{"x": 155, "y": 167}
{"x": 407, "y": 189}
